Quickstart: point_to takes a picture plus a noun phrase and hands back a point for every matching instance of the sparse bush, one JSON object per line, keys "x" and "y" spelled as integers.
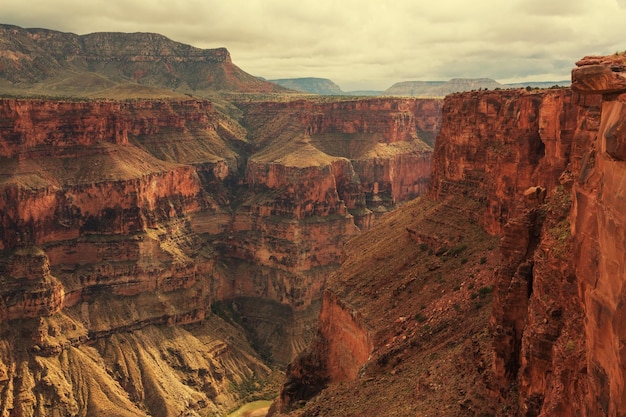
{"x": 441, "y": 251}
{"x": 483, "y": 291}
{"x": 420, "y": 317}
{"x": 483, "y": 260}
{"x": 457, "y": 250}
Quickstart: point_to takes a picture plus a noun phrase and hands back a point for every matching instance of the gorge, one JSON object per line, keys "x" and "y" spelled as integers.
{"x": 169, "y": 253}
{"x": 146, "y": 244}
{"x": 542, "y": 170}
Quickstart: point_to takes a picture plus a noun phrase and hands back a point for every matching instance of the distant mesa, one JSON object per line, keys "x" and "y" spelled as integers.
{"x": 321, "y": 86}
{"x": 324, "y": 86}
{"x": 42, "y": 61}
{"x": 312, "y": 85}
{"x": 458, "y": 85}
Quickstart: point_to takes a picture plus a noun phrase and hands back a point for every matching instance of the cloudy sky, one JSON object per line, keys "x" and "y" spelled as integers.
{"x": 361, "y": 44}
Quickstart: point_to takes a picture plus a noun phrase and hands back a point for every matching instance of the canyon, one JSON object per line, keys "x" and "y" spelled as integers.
{"x": 172, "y": 252}
{"x": 158, "y": 256}
{"x": 501, "y": 291}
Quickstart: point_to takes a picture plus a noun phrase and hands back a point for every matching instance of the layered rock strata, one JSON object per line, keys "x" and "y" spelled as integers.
{"x": 65, "y": 63}
{"x": 541, "y": 169}
{"x": 141, "y": 239}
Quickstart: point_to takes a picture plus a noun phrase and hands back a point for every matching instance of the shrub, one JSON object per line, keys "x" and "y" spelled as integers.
{"x": 483, "y": 291}
{"x": 420, "y": 317}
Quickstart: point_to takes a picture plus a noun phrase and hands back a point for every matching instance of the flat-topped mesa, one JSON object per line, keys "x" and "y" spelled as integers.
{"x": 384, "y": 140}
{"x": 97, "y": 62}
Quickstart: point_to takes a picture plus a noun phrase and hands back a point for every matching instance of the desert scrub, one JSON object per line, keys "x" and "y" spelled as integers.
{"x": 560, "y": 233}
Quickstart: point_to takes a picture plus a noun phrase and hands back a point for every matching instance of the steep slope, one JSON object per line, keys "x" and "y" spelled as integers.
{"x": 408, "y": 308}
{"x": 147, "y": 246}
{"x": 540, "y": 170}
{"x": 50, "y": 62}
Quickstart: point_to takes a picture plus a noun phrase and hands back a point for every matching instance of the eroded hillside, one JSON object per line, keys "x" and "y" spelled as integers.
{"x": 115, "y": 65}
{"x": 501, "y": 292}
{"x": 154, "y": 250}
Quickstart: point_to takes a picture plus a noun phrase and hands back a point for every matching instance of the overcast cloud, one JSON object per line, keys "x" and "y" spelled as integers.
{"x": 361, "y": 44}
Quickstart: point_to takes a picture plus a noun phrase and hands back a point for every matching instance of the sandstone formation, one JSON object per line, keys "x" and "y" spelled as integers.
{"x": 541, "y": 170}
{"x": 57, "y": 63}
{"x": 149, "y": 246}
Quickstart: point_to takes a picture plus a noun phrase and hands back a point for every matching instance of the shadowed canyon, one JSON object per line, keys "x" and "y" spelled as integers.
{"x": 178, "y": 238}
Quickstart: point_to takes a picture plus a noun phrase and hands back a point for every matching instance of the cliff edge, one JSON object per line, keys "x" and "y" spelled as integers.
{"x": 528, "y": 324}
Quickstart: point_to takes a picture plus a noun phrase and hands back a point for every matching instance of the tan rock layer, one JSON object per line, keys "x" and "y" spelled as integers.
{"x": 124, "y": 222}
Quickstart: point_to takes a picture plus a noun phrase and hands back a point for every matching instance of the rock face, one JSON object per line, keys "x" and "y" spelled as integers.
{"x": 542, "y": 170}
{"x": 597, "y": 228}
{"x": 73, "y": 64}
{"x": 498, "y": 144}
{"x": 147, "y": 244}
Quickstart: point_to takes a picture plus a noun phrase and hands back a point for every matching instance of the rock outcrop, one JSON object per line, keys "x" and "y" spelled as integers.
{"x": 147, "y": 245}
{"x": 58, "y": 63}
{"x": 541, "y": 169}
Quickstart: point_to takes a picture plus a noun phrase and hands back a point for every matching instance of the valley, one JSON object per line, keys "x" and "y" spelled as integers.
{"x": 180, "y": 238}
{"x": 166, "y": 249}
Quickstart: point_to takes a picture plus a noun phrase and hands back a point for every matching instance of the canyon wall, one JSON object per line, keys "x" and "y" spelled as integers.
{"x": 147, "y": 246}
{"x": 542, "y": 170}
{"x": 562, "y": 339}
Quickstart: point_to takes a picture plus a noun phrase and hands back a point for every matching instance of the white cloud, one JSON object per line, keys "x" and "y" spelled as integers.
{"x": 361, "y": 44}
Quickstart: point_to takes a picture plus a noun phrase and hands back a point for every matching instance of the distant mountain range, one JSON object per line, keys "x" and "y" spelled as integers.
{"x": 457, "y": 85}
{"x": 123, "y": 65}
{"x": 312, "y": 85}
{"x": 324, "y": 86}
{"x": 51, "y": 62}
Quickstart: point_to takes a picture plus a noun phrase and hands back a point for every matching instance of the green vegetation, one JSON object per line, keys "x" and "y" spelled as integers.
{"x": 420, "y": 317}
{"x": 560, "y": 233}
{"x": 482, "y": 292}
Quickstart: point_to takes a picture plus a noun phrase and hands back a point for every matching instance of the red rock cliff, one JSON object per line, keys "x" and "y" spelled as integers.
{"x": 598, "y": 237}
{"x": 130, "y": 230}
{"x": 561, "y": 258}
{"x": 543, "y": 170}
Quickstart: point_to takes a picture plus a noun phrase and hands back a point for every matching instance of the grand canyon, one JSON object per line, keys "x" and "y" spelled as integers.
{"x": 179, "y": 238}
